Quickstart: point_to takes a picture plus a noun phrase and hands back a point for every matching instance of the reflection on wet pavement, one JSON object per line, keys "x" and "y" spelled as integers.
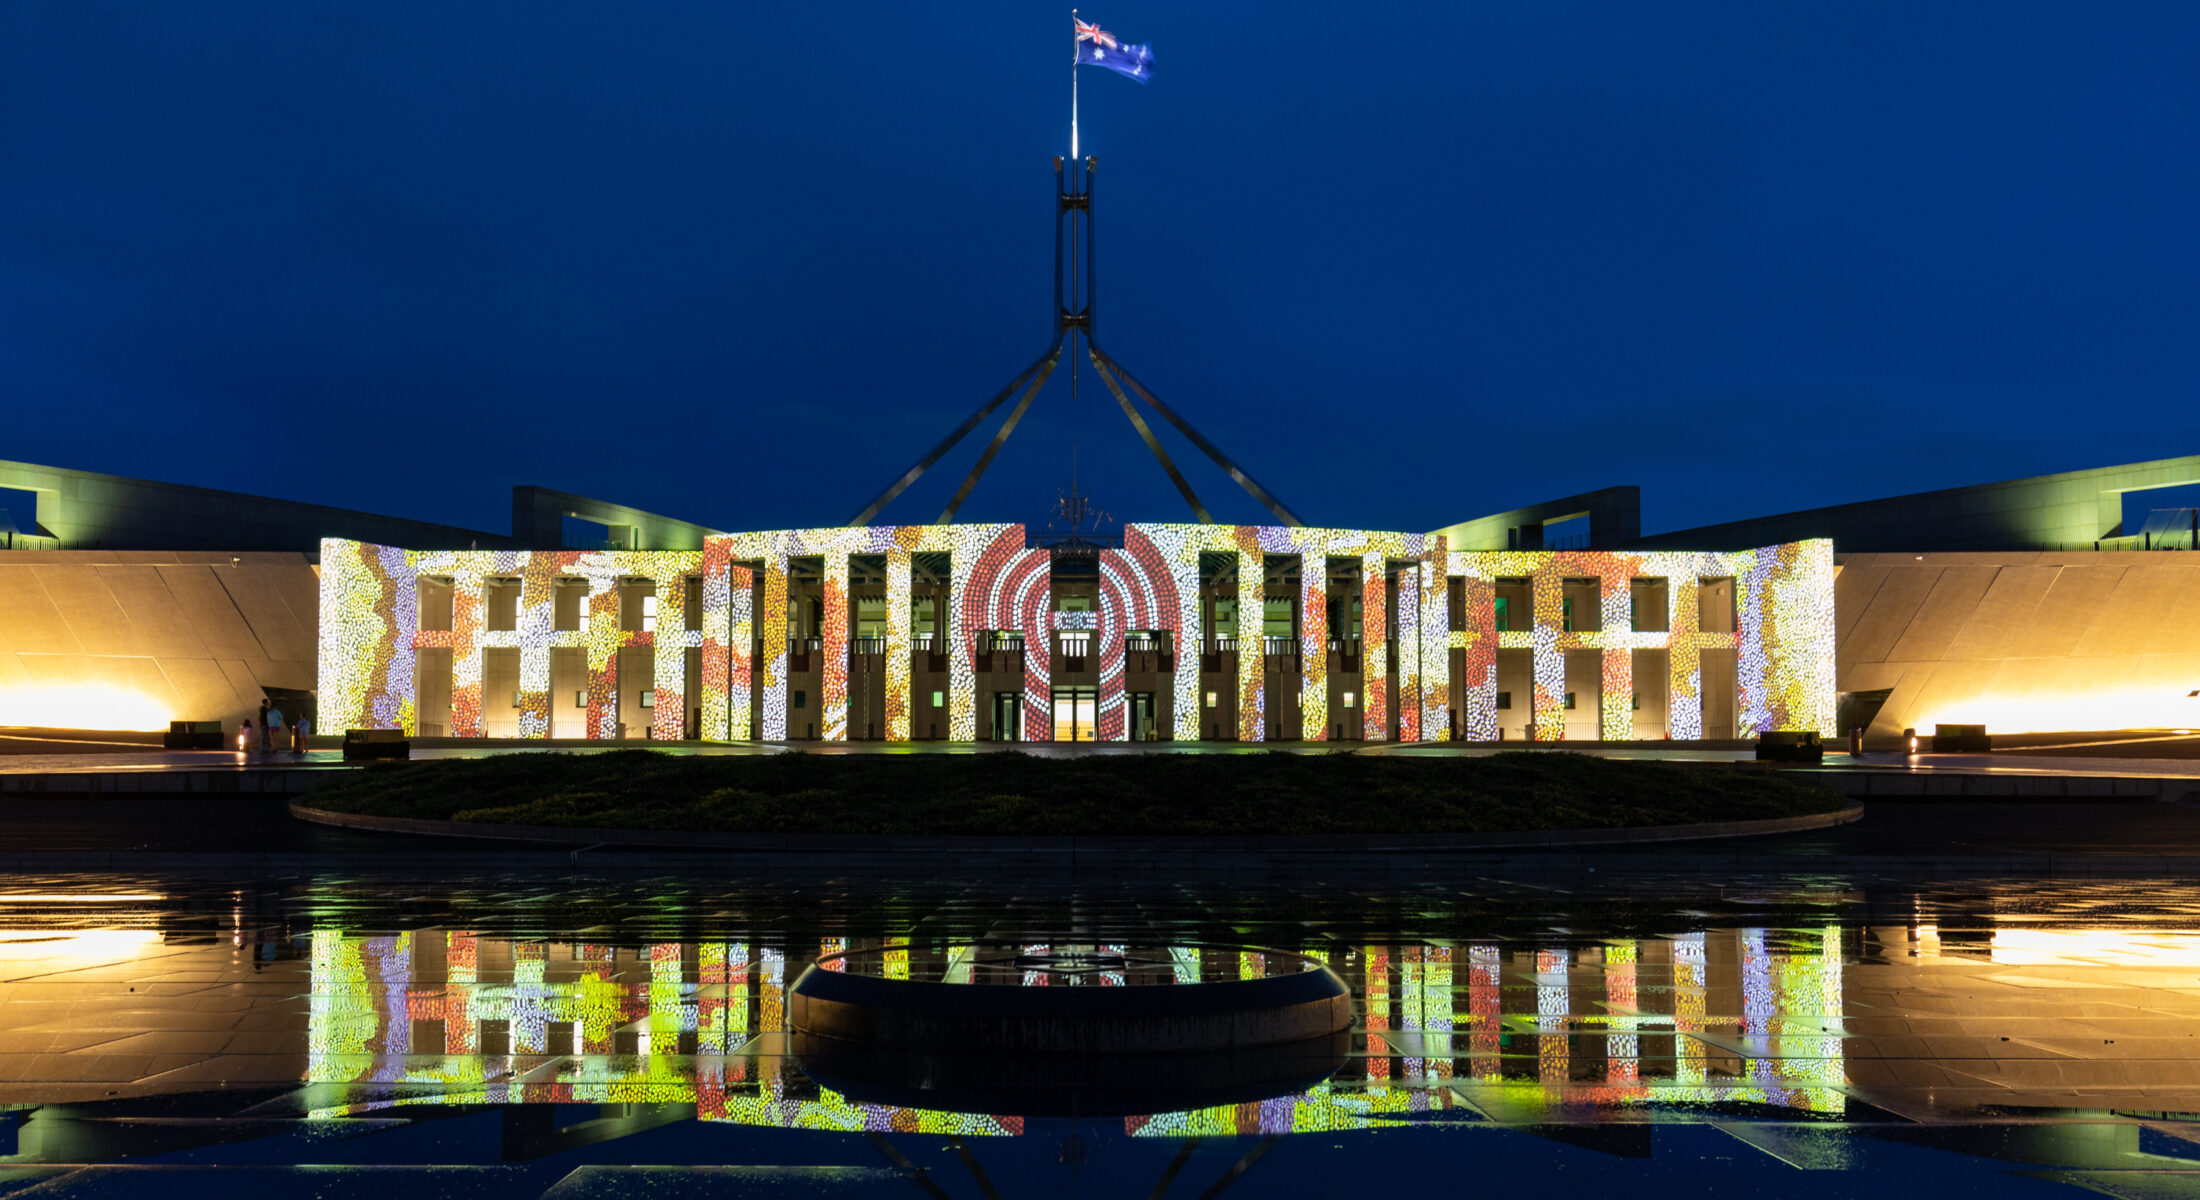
{"x": 2014, "y": 1034}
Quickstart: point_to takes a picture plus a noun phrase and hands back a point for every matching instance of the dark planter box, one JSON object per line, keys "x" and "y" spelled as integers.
{"x": 1790, "y": 746}
{"x": 193, "y": 735}
{"x": 1961, "y": 739}
{"x": 376, "y": 743}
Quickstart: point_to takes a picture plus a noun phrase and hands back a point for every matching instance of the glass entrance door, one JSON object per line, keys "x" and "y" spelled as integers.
{"x": 1008, "y": 717}
{"x": 1074, "y": 709}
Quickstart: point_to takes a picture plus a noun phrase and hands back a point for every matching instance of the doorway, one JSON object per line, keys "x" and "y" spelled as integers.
{"x": 1142, "y": 719}
{"x": 1008, "y": 717}
{"x": 1074, "y": 709}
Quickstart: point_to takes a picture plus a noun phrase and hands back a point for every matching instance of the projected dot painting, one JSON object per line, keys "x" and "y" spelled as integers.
{"x": 1773, "y": 620}
{"x": 1010, "y": 589}
{"x": 451, "y": 1017}
{"x": 371, "y": 635}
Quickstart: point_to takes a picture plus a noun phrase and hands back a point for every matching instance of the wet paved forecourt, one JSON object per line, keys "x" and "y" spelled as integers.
{"x": 231, "y": 1004}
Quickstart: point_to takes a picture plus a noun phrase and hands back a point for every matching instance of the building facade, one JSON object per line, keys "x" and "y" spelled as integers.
{"x": 1181, "y": 633}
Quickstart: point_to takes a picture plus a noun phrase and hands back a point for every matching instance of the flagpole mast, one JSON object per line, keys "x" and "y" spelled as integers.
{"x": 1073, "y": 88}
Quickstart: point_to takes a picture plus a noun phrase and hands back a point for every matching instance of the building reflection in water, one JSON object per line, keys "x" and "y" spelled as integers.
{"x": 1733, "y": 1017}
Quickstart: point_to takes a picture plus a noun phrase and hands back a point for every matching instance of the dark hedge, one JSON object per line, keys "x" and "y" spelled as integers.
{"x": 1103, "y": 794}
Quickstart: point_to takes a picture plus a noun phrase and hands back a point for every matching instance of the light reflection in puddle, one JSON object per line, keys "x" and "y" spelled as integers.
{"x": 1726, "y": 1018}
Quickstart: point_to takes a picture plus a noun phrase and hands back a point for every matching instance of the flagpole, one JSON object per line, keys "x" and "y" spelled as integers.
{"x": 1073, "y": 89}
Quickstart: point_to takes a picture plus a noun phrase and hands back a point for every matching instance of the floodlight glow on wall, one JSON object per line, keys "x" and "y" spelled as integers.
{"x": 81, "y": 706}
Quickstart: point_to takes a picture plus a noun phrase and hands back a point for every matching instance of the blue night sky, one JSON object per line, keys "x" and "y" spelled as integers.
{"x": 1410, "y": 264}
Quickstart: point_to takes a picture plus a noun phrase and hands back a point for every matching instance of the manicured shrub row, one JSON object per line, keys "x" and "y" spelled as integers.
{"x": 1111, "y": 795}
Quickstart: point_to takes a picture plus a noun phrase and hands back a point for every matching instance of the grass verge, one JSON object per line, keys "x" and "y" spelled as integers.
{"x": 1102, "y": 795}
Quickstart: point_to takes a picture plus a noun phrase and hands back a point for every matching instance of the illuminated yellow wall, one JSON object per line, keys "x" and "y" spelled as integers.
{"x": 134, "y": 639}
{"x": 2023, "y": 642}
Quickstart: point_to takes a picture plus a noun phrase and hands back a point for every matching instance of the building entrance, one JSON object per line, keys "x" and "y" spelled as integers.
{"x": 1142, "y": 723}
{"x": 1008, "y": 717}
{"x": 1074, "y": 708}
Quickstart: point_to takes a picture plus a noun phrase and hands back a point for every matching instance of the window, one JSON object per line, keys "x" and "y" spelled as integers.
{"x": 1504, "y": 617}
{"x": 1635, "y": 701}
{"x": 1566, "y": 618}
{"x": 801, "y": 699}
{"x": 1210, "y": 699}
{"x": 938, "y": 698}
{"x": 649, "y": 699}
{"x": 649, "y": 618}
{"x": 1569, "y": 701}
{"x": 1275, "y": 618}
{"x": 1348, "y": 699}
{"x": 580, "y": 699}
{"x": 1504, "y": 699}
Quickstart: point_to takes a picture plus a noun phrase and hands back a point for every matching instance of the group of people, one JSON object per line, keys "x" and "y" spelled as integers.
{"x": 272, "y": 731}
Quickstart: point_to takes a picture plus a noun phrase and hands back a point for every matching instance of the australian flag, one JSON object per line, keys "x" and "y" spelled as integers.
{"x": 1096, "y": 47}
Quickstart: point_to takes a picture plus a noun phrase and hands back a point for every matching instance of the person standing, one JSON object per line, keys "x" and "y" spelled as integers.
{"x": 300, "y": 729}
{"x": 274, "y": 729}
{"x": 265, "y": 744}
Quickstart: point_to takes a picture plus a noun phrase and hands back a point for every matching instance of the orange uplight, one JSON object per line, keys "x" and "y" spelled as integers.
{"x": 81, "y": 706}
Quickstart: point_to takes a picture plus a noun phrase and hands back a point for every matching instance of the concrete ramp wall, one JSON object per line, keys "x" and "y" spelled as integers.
{"x": 2023, "y": 642}
{"x": 134, "y": 639}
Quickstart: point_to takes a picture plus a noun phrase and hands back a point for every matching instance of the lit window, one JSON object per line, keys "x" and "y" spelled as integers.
{"x": 939, "y": 698}
{"x": 1210, "y": 699}
{"x": 649, "y": 615}
{"x": 1504, "y": 614}
{"x": 580, "y": 699}
{"x": 649, "y": 699}
{"x": 1348, "y": 699}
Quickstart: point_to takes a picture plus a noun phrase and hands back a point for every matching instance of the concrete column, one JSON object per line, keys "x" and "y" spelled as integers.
{"x": 668, "y": 666}
{"x": 1478, "y": 674}
{"x": 1374, "y": 647}
{"x": 1548, "y": 587}
{"x": 1683, "y": 660}
{"x": 833, "y": 639}
{"x": 962, "y": 677}
{"x": 773, "y": 621}
{"x": 740, "y": 653}
{"x": 897, "y": 643}
{"x": 1252, "y": 589}
{"x": 1314, "y": 647}
{"x": 1409, "y": 654}
{"x": 1191, "y": 636}
{"x": 537, "y": 614}
{"x": 466, "y": 653}
{"x": 604, "y": 642}
{"x": 1616, "y": 700}
{"x": 1436, "y": 642}
{"x": 718, "y": 649}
